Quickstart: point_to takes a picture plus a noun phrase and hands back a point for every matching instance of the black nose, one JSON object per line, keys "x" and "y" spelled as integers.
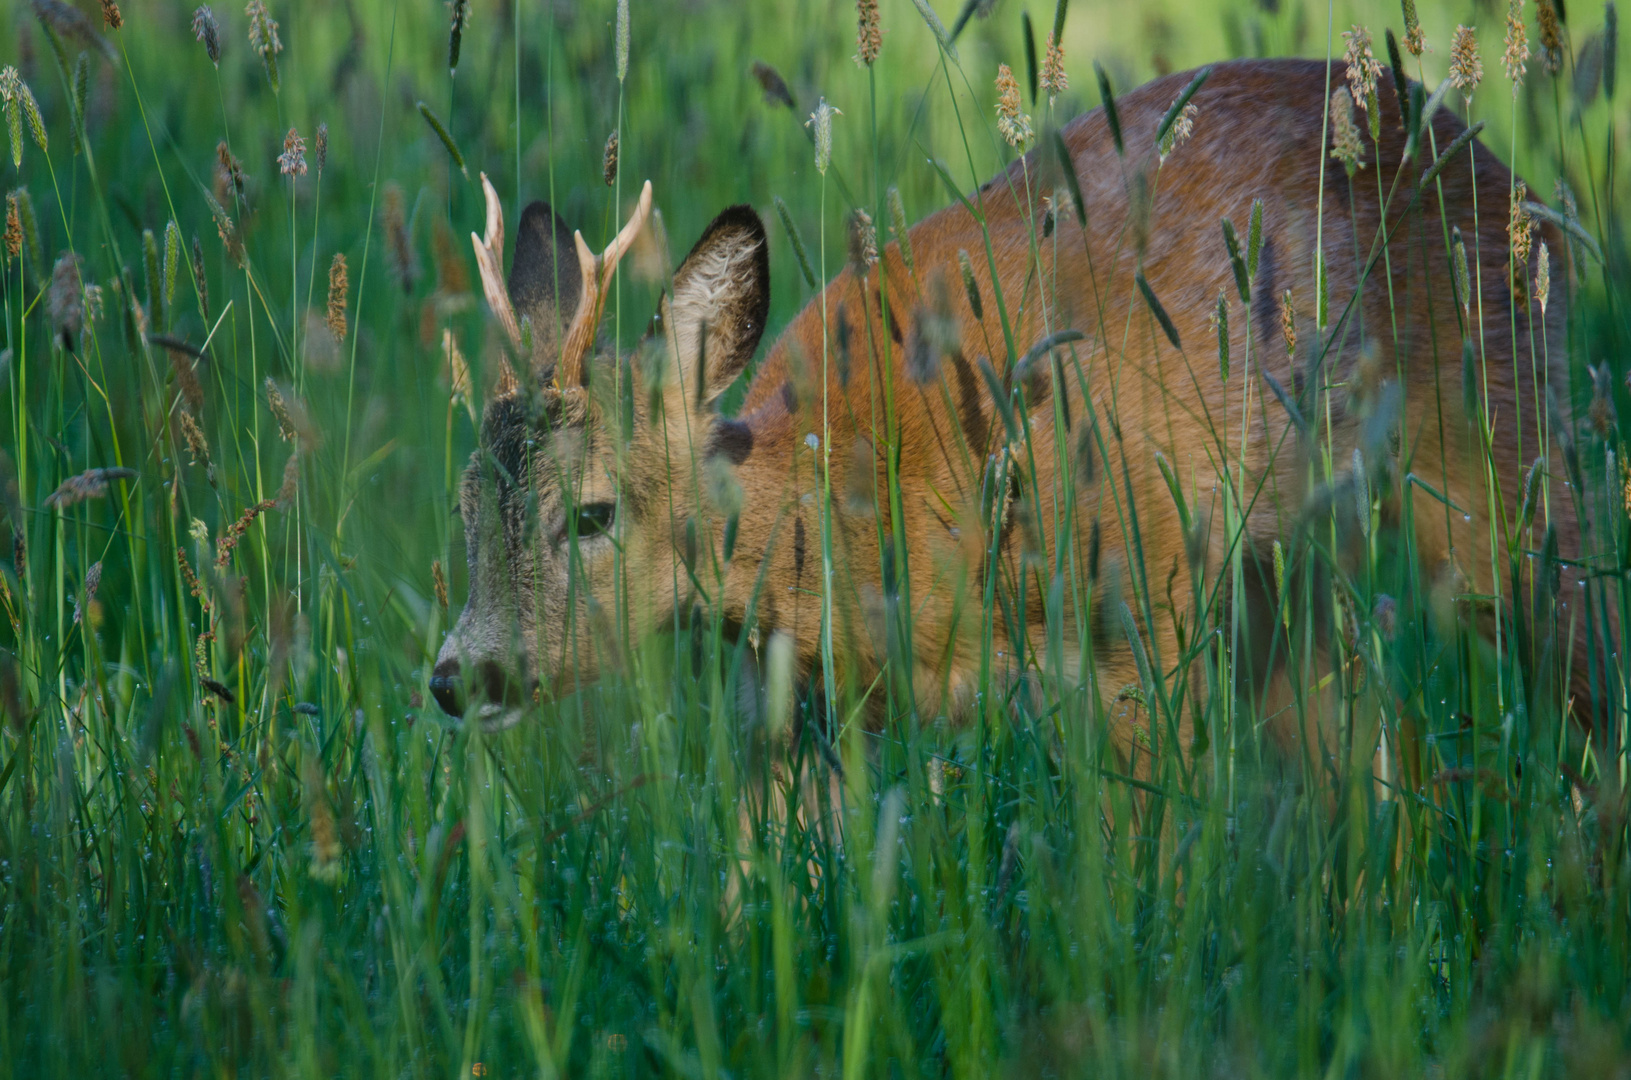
{"x": 446, "y": 687}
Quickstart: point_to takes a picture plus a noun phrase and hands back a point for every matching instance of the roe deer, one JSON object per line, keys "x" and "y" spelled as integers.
{"x": 609, "y": 495}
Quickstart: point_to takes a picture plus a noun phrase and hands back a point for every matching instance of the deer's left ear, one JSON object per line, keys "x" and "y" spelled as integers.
{"x": 716, "y": 316}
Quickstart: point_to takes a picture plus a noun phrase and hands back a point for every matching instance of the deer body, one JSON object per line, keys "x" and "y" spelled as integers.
{"x": 1066, "y": 487}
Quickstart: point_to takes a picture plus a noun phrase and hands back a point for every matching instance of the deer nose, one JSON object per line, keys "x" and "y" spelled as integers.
{"x": 446, "y": 688}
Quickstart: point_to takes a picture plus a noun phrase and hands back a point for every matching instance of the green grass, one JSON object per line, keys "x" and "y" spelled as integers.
{"x": 306, "y": 870}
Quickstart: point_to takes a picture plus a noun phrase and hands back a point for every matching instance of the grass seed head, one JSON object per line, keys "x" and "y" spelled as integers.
{"x": 970, "y": 285}
{"x": 1520, "y": 229}
{"x": 821, "y": 122}
{"x": 1054, "y": 79}
{"x": 229, "y": 171}
{"x": 14, "y": 228}
{"x": 458, "y": 369}
{"x": 1012, "y": 124}
{"x": 292, "y": 162}
{"x": 192, "y": 391}
{"x": 263, "y": 39}
{"x": 1466, "y": 66}
{"x": 1363, "y": 67}
{"x": 1517, "y": 45}
{"x": 1458, "y": 269}
{"x": 1288, "y": 323}
{"x": 111, "y": 15}
{"x": 66, "y": 298}
{"x": 207, "y": 30}
{"x": 291, "y": 481}
{"x": 1543, "y": 279}
{"x": 198, "y": 447}
{"x": 90, "y": 484}
{"x": 898, "y": 226}
{"x": 863, "y": 240}
{"x": 1551, "y": 37}
{"x": 868, "y": 32}
{"x": 339, "y": 284}
{"x": 772, "y": 84}
{"x": 321, "y": 146}
{"x": 280, "y": 409}
{"x": 1183, "y": 126}
{"x": 439, "y": 581}
{"x": 1346, "y": 144}
{"x": 458, "y": 17}
{"x": 403, "y": 262}
{"x": 1414, "y": 43}
{"x": 608, "y": 163}
{"x": 622, "y": 39}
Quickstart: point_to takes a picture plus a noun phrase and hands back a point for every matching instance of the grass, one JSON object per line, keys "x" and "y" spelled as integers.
{"x": 237, "y": 838}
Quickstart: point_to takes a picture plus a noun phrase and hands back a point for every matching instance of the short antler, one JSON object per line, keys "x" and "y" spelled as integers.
{"x": 490, "y": 261}
{"x": 597, "y": 275}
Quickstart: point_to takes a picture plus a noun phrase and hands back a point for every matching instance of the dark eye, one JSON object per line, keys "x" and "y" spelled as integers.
{"x": 595, "y": 519}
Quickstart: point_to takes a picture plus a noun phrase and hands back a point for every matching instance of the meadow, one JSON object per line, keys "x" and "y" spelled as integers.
{"x": 245, "y": 359}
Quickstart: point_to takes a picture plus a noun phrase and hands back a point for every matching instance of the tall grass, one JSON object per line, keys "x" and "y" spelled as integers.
{"x": 237, "y": 838}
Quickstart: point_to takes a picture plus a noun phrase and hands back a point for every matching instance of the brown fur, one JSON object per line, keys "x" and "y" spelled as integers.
{"x": 1129, "y": 396}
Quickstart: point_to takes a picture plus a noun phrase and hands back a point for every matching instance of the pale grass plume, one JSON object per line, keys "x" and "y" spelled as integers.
{"x": 1516, "y": 57}
{"x": 1543, "y": 278}
{"x": 287, "y": 430}
{"x": 66, "y": 298}
{"x": 1183, "y": 126}
{"x": 198, "y": 447}
{"x": 1466, "y": 66}
{"x": 622, "y": 39}
{"x": 1054, "y": 80}
{"x": 1520, "y": 228}
{"x": 868, "y": 32}
{"x": 1012, "y": 123}
{"x": 821, "y": 122}
{"x": 1363, "y": 67}
{"x": 1346, "y": 144}
{"x": 263, "y": 39}
{"x": 898, "y": 226}
{"x": 863, "y": 240}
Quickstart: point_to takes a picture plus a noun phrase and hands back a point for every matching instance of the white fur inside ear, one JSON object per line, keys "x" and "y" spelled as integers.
{"x": 712, "y": 283}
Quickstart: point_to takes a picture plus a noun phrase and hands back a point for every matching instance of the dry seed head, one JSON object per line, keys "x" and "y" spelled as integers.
{"x": 90, "y": 484}
{"x": 1363, "y": 67}
{"x": 440, "y": 582}
{"x": 229, "y": 166}
{"x": 110, "y": 14}
{"x": 1517, "y": 45}
{"x": 280, "y": 409}
{"x": 1183, "y": 126}
{"x": 292, "y": 162}
{"x": 339, "y": 284}
{"x": 1414, "y": 43}
{"x": 263, "y": 39}
{"x": 1466, "y": 66}
{"x": 1520, "y": 229}
{"x": 1346, "y": 145}
{"x": 970, "y": 285}
{"x": 65, "y": 300}
{"x": 207, "y": 30}
{"x": 1288, "y": 323}
{"x": 771, "y": 82}
{"x": 821, "y": 121}
{"x": 1012, "y": 124}
{"x": 403, "y": 262}
{"x": 608, "y": 164}
{"x": 291, "y": 481}
{"x": 198, "y": 447}
{"x": 897, "y": 225}
{"x": 192, "y": 391}
{"x": 1551, "y": 37}
{"x": 14, "y": 228}
{"x": 1054, "y": 79}
{"x": 1543, "y": 279}
{"x": 322, "y": 146}
{"x": 868, "y": 32}
{"x": 458, "y": 370}
{"x": 1626, "y": 494}
{"x": 863, "y": 240}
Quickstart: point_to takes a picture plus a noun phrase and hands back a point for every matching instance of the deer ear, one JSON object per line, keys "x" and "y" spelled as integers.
{"x": 544, "y": 280}
{"x": 721, "y": 297}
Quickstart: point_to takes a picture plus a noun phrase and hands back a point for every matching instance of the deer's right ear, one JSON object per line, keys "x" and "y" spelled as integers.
{"x": 544, "y": 280}
{"x": 721, "y": 298}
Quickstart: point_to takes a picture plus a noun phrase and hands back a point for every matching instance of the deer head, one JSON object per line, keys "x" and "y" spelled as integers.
{"x": 588, "y": 479}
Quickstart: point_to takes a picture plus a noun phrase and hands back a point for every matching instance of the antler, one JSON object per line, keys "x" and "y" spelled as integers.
{"x": 596, "y": 274}
{"x": 490, "y": 261}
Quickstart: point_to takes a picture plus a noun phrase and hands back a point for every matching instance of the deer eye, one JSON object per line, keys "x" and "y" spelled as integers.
{"x": 595, "y": 519}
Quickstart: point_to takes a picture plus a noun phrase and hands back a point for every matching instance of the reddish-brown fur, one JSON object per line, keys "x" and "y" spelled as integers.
{"x": 1258, "y": 135}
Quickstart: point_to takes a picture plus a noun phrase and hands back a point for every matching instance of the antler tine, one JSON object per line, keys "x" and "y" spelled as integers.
{"x": 596, "y": 274}
{"x": 490, "y": 261}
